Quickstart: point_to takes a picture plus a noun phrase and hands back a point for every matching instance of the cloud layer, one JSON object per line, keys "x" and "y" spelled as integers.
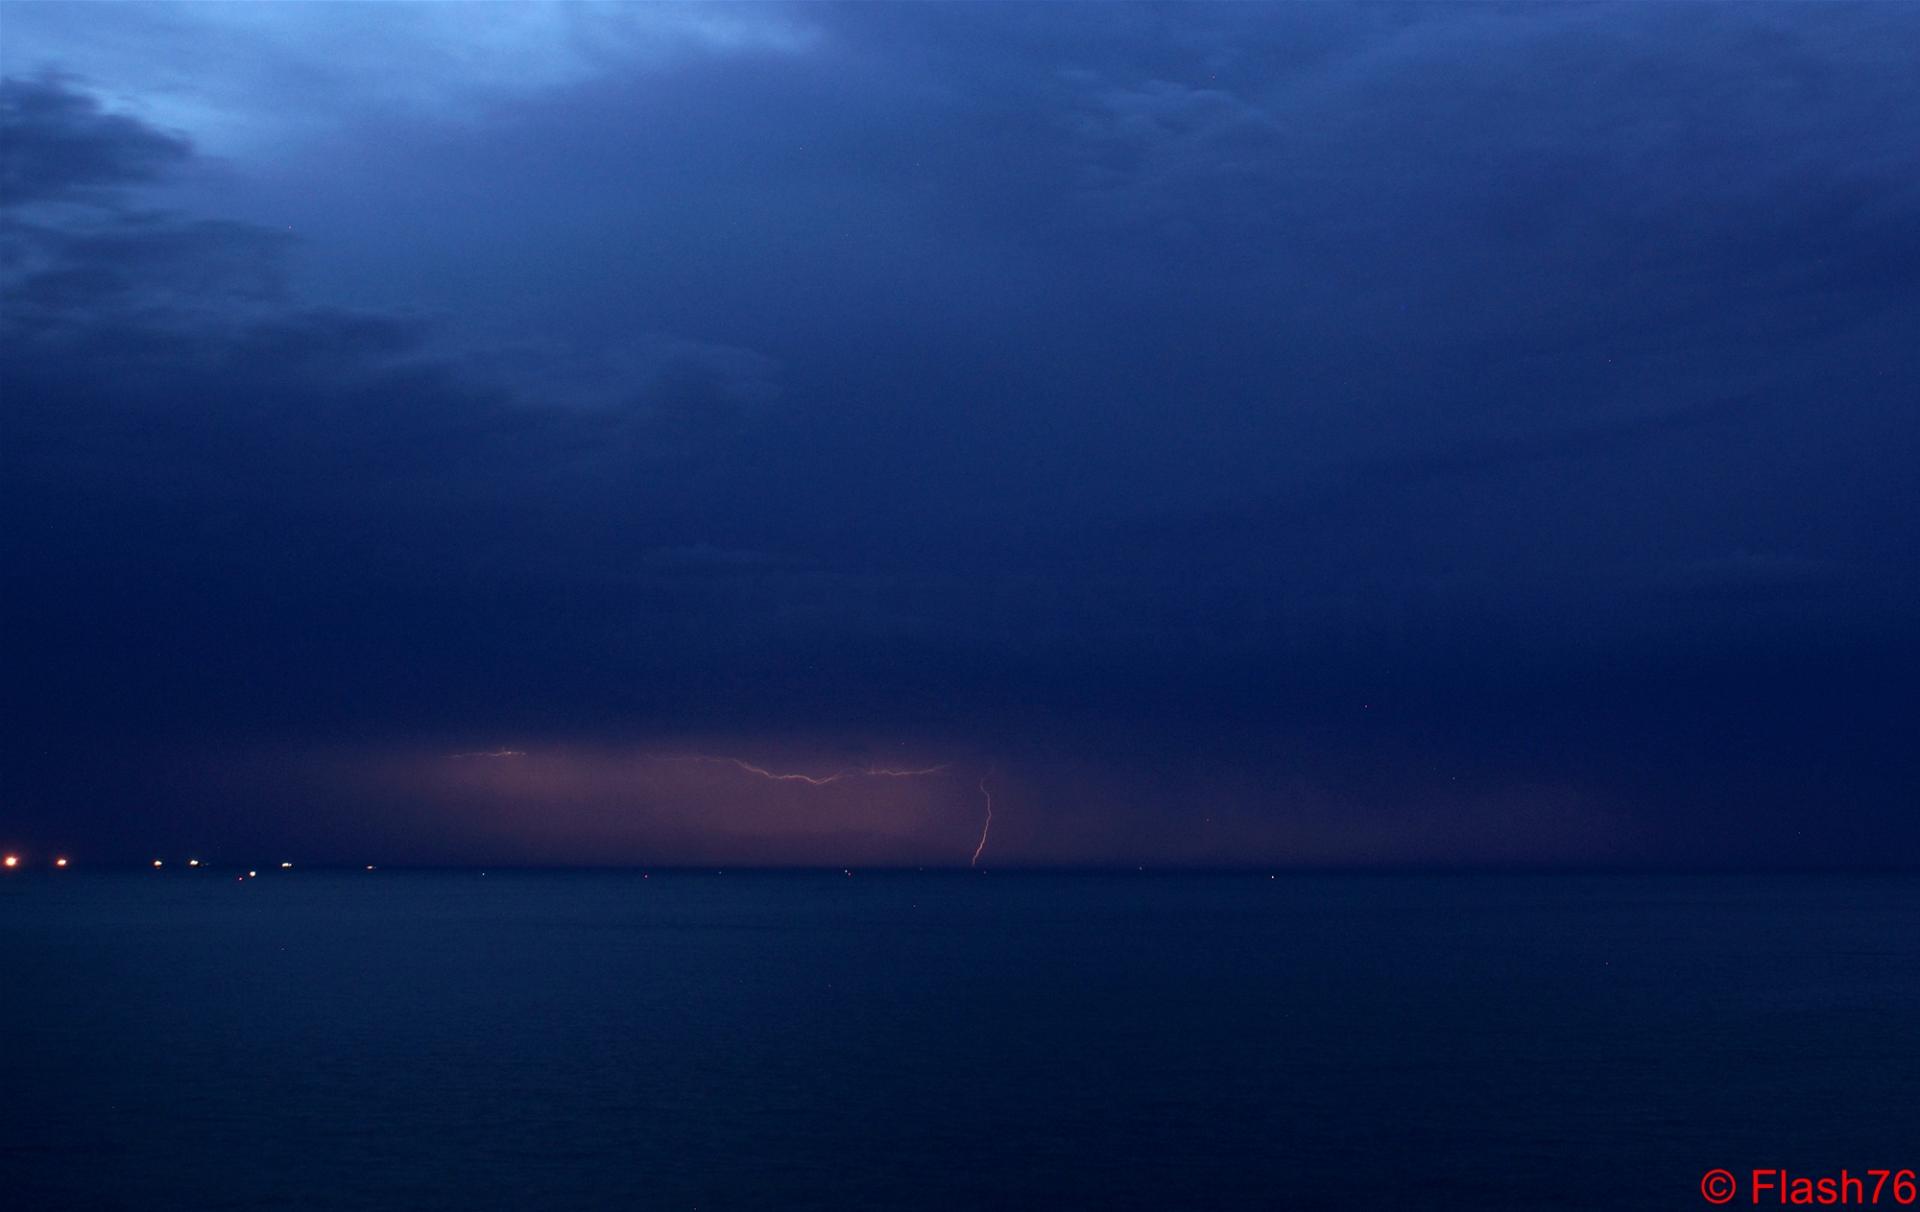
{"x": 1307, "y": 434}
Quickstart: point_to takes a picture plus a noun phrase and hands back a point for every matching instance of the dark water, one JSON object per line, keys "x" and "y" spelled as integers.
{"x": 534, "y": 1041}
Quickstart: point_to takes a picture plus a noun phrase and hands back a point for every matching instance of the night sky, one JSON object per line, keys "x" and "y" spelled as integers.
{"x": 1353, "y": 436}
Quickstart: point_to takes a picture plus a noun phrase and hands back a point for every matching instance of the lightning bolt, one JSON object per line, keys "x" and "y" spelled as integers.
{"x": 986, "y": 826}
{"x": 847, "y": 772}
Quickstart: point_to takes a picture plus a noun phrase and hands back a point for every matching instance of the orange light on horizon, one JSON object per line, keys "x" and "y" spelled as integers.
{"x": 158, "y": 863}
{"x": 12, "y": 860}
{"x": 59, "y": 862}
{"x": 284, "y": 866}
{"x": 193, "y": 862}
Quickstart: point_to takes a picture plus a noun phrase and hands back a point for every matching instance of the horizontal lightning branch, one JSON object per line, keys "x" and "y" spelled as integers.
{"x": 849, "y": 772}
{"x": 822, "y": 780}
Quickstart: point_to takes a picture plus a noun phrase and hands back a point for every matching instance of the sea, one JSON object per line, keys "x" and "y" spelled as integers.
{"x": 471, "y": 1040}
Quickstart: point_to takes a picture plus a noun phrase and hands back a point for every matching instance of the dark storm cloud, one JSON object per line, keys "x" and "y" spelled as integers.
{"x": 56, "y": 142}
{"x": 257, "y": 473}
{"x": 1265, "y": 431}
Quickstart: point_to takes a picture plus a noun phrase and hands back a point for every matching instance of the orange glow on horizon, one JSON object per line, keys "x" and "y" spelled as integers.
{"x": 12, "y": 860}
{"x": 59, "y": 862}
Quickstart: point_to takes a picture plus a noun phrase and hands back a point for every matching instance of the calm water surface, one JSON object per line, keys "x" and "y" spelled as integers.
{"x": 405, "y": 1040}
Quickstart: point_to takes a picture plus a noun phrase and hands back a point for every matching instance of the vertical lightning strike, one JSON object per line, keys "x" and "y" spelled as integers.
{"x": 986, "y": 826}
